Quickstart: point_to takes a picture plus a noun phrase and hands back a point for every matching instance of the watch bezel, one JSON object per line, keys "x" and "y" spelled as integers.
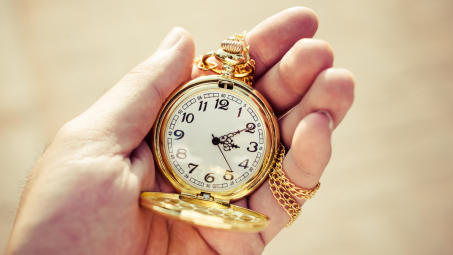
{"x": 195, "y": 86}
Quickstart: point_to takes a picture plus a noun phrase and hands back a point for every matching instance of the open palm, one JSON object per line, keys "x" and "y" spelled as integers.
{"x": 83, "y": 195}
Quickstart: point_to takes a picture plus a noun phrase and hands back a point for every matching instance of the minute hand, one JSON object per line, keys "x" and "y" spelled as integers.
{"x": 223, "y": 154}
{"x": 235, "y": 133}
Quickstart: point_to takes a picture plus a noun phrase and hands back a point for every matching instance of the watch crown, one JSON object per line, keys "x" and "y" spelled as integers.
{"x": 233, "y": 47}
{"x": 235, "y": 58}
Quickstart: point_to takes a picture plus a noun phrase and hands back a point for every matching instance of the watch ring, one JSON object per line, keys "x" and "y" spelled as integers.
{"x": 206, "y": 66}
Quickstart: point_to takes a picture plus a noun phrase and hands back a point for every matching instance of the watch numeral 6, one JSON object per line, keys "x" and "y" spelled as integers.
{"x": 209, "y": 177}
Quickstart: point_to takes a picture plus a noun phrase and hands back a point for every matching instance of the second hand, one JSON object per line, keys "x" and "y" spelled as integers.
{"x": 214, "y": 138}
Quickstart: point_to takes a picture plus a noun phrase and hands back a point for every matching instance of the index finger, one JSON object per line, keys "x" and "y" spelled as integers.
{"x": 272, "y": 38}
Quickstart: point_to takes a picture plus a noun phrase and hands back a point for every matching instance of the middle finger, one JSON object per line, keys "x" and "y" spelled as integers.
{"x": 286, "y": 83}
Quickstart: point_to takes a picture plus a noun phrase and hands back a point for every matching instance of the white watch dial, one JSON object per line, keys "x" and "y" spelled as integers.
{"x": 215, "y": 140}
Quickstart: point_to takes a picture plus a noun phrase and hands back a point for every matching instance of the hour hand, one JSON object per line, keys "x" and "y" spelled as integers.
{"x": 226, "y": 141}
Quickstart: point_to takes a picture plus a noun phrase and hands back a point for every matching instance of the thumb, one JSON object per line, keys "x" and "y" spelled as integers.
{"x": 126, "y": 113}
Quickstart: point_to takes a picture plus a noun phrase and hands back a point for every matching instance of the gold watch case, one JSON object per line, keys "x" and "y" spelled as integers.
{"x": 195, "y": 205}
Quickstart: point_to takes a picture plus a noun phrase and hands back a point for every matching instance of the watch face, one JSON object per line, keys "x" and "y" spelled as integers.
{"x": 215, "y": 140}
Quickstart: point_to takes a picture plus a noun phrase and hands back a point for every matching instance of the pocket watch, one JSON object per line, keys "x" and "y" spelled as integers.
{"x": 215, "y": 140}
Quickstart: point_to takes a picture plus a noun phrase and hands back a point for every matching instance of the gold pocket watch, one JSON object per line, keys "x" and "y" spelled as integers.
{"x": 215, "y": 140}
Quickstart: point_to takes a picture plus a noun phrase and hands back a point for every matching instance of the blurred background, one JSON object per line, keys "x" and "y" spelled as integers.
{"x": 389, "y": 186}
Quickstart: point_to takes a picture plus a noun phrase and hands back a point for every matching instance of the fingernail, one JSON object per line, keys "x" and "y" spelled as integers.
{"x": 328, "y": 116}
{"x": 172, "y": 38}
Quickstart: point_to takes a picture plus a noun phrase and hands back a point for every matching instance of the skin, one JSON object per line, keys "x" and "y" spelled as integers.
{"x": 82, "y": 197}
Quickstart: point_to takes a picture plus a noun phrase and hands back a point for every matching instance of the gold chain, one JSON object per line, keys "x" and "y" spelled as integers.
{"x": 282, "y": 188}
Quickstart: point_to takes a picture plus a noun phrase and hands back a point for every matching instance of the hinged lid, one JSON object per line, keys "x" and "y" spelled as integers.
{"x": 204, "y": 211}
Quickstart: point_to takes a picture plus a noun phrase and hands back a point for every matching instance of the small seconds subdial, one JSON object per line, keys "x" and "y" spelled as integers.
{"x": 215, "y": 140}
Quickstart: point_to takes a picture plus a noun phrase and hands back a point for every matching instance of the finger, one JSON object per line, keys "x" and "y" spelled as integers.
{"x": 126, "y": 112}
{"x": 303, "y": 165}
{"x": 272, "y": 38}
{"x": 332, "y": 91}
{"x": 163, "y": 185}
{"x": 286, "y": 83}
{"x": 229, "y": 242}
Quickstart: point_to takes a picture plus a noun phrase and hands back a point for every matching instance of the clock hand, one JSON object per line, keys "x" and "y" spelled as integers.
{"x": 228, "y": 142}
{"x": 216, "y": 141}
{"x": 250, "y": 127}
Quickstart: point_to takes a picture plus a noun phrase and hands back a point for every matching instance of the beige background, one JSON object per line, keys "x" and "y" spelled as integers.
{"x": 388, "y": 188}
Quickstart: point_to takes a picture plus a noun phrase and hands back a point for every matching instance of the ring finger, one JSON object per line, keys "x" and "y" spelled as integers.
{"x": 308, "y": 131}
{"x": 286, "y": 83}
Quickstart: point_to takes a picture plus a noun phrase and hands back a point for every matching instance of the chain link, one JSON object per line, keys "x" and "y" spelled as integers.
{"x": 282, "y": 188}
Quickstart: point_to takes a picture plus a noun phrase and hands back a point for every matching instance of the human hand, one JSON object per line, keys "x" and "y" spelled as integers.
{"x": 83, "y": 195}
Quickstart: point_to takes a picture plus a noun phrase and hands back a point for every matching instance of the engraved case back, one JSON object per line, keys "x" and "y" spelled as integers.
{"x": 230, "y": 218}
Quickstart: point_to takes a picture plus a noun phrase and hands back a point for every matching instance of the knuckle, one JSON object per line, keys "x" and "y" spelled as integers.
{"x": 338, "y": 81}
{"x": 316, "y": 47}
